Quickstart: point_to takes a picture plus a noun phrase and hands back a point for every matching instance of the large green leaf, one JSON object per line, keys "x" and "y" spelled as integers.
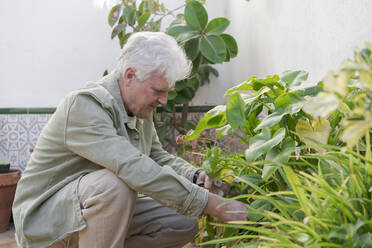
{"x": 288, "y": 98}
{"x": 118, "y": 29}
{"x": 172, "y": 94}
{"x": 183, "y": 96}
{"x": 155, "y": 25}
{"x": 356, "y": 129}
{"x": 192, "y": 82}
{"x": 124, "y": 39}
{"x": 278, "y": 114}
{"x": 235, "y": 111}
{"x": 129, "y": 14}
{"x": 298, "y": 190}
{"x": 262, "y": 143}
{"x": 213, "y": 48}
{"x": 231, "y": 45}
{"x": 249, "y": 98}
{"x": 253, "y": 181}
{"x": 257, "y": 206}
{"x": 192, "y": 48}
{"x": 321, "y": 105}
{"x": 114, "y": 14}
{"x": 204, "y": 72}
{"x": 217, "y": 25}
{"x": 272, "y": 119}
{"x": 278, "y": 157}
{"x": 244, "y": 86}
{"x": 149, "y": 5}
{"x": 143, "y": 19}
{"x": 196, "y": 15}
{"x": 180, "y": 85}
{"x": 182, "y": 32}
{"x": 311, "y": 132}
{"x": 169, "y": 106}
{"x": 224, "y": 131}
{"x": 180, "y": 99}
{"x": 184, "y": 87}
{"x": 214, "y": 118}
{"x": 294, "y": 78}
{"x": 270, "y": 81}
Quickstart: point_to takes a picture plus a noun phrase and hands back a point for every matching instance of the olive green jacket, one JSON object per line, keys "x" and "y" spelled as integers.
{"x": 90, "y": 130}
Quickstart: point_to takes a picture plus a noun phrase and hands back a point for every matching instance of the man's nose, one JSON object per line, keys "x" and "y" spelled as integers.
{"x": 163, "y": 99}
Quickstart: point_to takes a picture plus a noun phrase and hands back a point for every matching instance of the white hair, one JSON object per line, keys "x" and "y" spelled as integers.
{"x": 154, "y": 53}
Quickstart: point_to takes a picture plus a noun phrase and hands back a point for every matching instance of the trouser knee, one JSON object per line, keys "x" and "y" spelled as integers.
{"x": 105, "y": 188}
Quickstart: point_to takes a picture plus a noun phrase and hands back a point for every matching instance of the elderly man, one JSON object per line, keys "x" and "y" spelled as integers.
{"x": 100, "y": 149}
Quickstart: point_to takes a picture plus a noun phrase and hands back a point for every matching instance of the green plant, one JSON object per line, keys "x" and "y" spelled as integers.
{"x": 350, "y": 90}
{"x": 272, "y": 138}
{"x": 307, "y": 171}
{"x": 204, "y": 41}
{"x": 331, "y": 208}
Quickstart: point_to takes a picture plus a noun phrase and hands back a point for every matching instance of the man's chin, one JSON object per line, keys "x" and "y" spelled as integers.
{"x": 144, "y": 115}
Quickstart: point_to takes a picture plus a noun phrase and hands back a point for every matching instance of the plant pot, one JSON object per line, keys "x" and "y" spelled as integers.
{"x": 4, "y": 168}
{"x": 8, "y": 184}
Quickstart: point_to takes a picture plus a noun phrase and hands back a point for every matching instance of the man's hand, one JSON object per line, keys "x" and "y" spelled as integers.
{"x": 204, "y": 180}
{"x": 226, "y": 212}
{"x": 212, "y": 185}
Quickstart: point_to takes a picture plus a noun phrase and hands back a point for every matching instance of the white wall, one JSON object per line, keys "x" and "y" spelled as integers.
{"x": 49, "y": 47}
{"x": 278, "y": 35}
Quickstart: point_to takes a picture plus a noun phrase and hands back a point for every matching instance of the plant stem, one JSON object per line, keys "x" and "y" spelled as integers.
{"x": 185, "y": 112}
{"x": 368, "y": 146}
{"x": 259, "y": 100}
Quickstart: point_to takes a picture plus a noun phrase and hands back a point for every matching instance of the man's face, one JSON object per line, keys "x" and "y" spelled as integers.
{"x": 141, "y": 98}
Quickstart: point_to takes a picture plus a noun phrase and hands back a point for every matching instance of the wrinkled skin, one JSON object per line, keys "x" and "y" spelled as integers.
{"x": 141, "y": 98}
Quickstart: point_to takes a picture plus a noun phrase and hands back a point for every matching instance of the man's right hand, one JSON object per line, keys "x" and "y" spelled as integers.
{"x": 224, "y": 212}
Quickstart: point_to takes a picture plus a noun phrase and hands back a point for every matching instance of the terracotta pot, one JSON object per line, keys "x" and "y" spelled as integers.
{"x": 8, "y": 184}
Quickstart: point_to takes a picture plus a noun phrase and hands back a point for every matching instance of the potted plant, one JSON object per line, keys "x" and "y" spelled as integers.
{"x": 8, "y": 183}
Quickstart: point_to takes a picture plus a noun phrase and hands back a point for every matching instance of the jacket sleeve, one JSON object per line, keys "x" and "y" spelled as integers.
{"x": 162, "y": 157}
{"x": 90, "y": 133}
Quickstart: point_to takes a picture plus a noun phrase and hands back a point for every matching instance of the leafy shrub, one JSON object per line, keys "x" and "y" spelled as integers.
{"x": 307, "y": 171}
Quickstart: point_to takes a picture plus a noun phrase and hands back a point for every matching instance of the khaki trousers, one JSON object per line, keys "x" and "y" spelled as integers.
{"x": 116, "y": 217}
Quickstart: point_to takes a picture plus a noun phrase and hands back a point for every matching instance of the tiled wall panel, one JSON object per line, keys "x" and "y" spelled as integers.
{"x": 18, "y": 135}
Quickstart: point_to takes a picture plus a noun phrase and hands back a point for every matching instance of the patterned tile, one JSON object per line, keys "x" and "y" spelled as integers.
{"x": 19, "y": 135}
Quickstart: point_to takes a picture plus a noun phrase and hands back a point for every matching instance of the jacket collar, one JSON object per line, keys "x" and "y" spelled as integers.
{"x": 111, "y": 83}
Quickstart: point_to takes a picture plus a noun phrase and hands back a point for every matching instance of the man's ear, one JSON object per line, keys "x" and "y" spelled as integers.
{"x": 130, "y": 75}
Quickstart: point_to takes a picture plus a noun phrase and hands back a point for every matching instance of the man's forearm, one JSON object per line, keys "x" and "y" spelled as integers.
{"x": 229, "y": 211}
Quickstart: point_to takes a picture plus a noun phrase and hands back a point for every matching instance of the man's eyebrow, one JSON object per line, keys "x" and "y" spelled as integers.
{"x": 161, "y": 89}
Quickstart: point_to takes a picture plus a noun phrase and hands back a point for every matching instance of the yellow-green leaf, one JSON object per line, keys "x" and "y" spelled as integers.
{"x": 311, "y": 132}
